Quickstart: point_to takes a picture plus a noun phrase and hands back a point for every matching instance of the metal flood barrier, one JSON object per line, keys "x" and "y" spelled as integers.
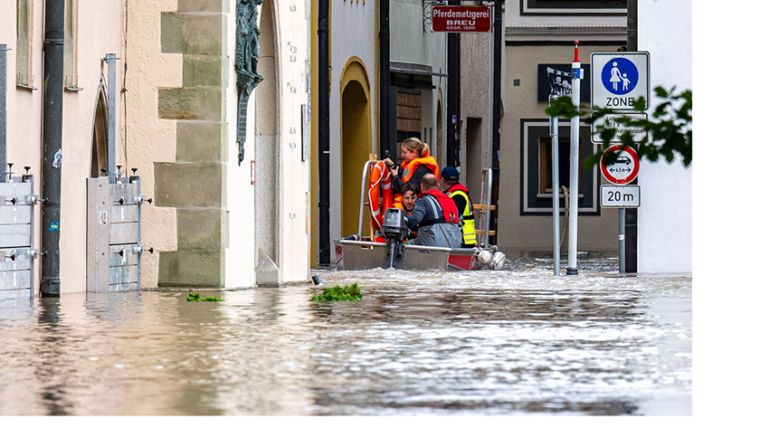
{"x": 17, "y": 255}
{"x": 114, "y": 246}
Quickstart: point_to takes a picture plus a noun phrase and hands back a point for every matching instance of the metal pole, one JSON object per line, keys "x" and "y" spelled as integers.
{"x": 323, "y": 165}
{"x": 3, "y": 110}
{"x": 555, "y": 188}
{"x": 111, "y": 61}
{"x": 52, "y": 138}
{"x": 631, "y": 214}
{"x": 367, "y": 166}
{"x": 453, "y": 89}
{"x": 621, "y": 238}
{"x": 572, "y": 250}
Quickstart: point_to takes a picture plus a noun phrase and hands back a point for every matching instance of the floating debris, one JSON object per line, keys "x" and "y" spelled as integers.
{"x": 349, "y": 293}
{"x": 196, "y": 297}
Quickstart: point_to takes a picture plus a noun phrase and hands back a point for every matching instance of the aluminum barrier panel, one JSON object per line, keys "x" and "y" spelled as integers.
{"x": 114, "y": 247}
{"x": 17, "y": 237}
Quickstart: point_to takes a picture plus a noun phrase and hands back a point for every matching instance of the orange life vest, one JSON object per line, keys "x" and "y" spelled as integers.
{"x": 380, "y": 177}
{"x": 410, "y": 168}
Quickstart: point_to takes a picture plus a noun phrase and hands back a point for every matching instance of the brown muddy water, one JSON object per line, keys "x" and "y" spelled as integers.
{"x": 514, "y": 342}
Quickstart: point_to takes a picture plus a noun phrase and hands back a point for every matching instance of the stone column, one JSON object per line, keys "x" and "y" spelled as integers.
{"x": 195, "y": 183}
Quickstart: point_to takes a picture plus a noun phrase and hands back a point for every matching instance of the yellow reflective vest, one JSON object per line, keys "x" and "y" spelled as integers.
{"x": 467, "y": 218}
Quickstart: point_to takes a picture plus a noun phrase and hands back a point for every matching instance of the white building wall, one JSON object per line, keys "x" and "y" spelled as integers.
{"x": 291, "y": 27}
{"x": 665, "y": 216}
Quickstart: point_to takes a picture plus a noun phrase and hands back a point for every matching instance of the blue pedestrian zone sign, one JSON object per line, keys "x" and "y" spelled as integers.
{"x": 618, "y": 79}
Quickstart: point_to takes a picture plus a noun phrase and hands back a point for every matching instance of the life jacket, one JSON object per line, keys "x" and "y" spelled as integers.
{"x": 446, "y": 205}
{"x": 380, "y": 177}
{"x": 409, "y": 169}
{"x": 467, "y": 219}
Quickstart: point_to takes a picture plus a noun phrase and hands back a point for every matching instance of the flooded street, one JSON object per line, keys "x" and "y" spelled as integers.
{"x": 512, "y": 342}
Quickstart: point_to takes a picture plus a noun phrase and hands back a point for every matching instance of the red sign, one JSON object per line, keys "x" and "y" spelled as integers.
{"x": 624, "y": 169}
{"x": 462, "y": 19}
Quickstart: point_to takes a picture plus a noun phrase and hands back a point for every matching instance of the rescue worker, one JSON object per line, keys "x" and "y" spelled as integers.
{"x": 417, "y": 162}
{"x": 434, "y": 217}
{"x": 461, "y": 196}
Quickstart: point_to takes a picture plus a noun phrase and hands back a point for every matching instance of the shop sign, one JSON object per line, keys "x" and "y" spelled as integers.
{"x": 461, "y": 19}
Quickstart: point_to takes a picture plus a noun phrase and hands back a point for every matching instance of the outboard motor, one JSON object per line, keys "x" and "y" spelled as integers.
{"x": 394, "y": 232}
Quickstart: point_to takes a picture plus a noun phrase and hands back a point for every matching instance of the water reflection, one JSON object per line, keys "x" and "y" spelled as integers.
{"x": 521, "y": 342}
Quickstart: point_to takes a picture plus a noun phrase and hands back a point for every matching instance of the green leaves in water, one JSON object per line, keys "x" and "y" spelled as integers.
{"x": 196, "y": 297}
{"x": 349, "y": 293}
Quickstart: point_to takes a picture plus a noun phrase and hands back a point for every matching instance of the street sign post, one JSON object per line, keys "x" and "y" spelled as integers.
{"x": 620, "y": 196}
{"x": 639, "y": 135}
{"x": 461, "y": 19}
{"x": 618, "y": 79}
{"x": 624, "y": 169}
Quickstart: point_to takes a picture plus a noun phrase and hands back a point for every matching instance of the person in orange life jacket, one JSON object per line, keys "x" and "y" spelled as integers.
{"x": 417, "y": 163}
{"x": 434, "y": 217}
{"x": 461, "y": 196}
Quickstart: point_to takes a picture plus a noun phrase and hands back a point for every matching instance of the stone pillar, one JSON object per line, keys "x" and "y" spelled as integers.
{"x": 195, "y": 184}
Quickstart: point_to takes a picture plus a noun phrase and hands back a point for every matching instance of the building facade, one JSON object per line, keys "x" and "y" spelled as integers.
{"x": 538, "y": 52}
{"x": 221, "y": 216}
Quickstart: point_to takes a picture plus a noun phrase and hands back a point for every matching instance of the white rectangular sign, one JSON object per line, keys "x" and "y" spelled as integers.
{"x": 609, "y": 121}
{"x": 618, "y": 79}
{"x": 620, "y": 196}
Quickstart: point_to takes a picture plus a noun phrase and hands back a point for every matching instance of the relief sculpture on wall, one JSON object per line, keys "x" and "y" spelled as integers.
{"x": 246, "y": 63}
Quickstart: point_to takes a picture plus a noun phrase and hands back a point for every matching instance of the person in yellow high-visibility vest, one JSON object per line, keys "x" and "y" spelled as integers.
{"x": 461, "y": 196}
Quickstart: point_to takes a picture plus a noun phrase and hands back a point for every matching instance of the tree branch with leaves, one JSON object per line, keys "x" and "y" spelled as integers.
{"x": 668, "y": 131}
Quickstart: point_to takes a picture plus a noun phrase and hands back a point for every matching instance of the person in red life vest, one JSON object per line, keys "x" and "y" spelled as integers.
{"x": 461, "y": 195}
{"x": 434, "y": 217}
{"x": 417, "y": 163}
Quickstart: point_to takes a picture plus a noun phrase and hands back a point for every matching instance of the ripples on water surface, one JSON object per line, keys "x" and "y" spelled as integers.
{"x": 515, "y": 342}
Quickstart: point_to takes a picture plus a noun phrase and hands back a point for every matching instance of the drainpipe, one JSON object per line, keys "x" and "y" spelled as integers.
{"x": 498, "y": 29}
{"x": 385, "y": 80}
{"x": 51, "y": 145}
{"x": 453, "y": 136}
{"x": 632, "y": 214}
{"x": 3, "y": 110}
{"x": 323, "y": 35}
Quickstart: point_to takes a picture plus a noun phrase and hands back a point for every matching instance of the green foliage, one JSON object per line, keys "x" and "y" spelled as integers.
{"x": 349, "y": 293}
{"x": 196, "y": 297}
{"x": 669, "y": 127}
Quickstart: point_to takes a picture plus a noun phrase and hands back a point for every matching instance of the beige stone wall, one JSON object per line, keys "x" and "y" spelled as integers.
{"x": 149, "y": 138}
{"x": 204, "y": 219}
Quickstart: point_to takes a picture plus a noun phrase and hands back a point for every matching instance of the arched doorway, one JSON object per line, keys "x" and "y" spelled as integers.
{"x": 355, "y": 142}
{"x": 99, "y": 158}
{"x": 267, "y": 153}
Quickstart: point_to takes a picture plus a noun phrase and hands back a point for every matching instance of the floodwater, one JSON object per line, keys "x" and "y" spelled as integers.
{"x": 514, "y": 342}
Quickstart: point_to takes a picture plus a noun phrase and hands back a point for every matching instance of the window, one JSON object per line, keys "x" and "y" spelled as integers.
{"x": 408, "y": 118}
{"x": 71, "y": 11}
{"x": 24, "y": 76}
{"x": 545, "y": 166}
{"x": 535, "y": 169}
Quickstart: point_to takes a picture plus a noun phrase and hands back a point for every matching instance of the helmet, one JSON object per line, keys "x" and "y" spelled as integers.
{"x": 499, "y": 259}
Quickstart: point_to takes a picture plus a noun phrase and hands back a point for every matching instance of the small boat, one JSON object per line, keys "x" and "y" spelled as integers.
{"x": 362, "y": 252}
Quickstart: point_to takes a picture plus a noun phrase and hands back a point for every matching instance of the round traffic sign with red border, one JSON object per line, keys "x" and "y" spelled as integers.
{"x": 624, "y": 169}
